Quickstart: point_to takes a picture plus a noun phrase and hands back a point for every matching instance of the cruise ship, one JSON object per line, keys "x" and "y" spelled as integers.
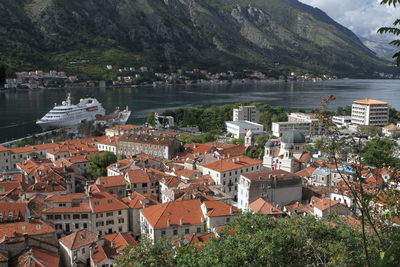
{"x": 69, "y": 115}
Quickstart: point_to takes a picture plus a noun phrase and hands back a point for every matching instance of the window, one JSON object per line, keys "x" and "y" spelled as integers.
{"x": 119, "y": 212}
{"x": 57, "y": 217}
{"x": 84, "y": 216}
{"x": 198, "y": 230}
{"x": 187, "y": 231}
{"x": 85, "y": 225}
{"x": 109, "y": 214}
{"x": 76, "y": 216}
{"x": 109, "y": 222}
{"x": 96, "y": 203}
{"x": 121, "y": 220}
{"x": 175, "y": 231}
{"x": 109, "y": 201}
{"x": 49, "y": 217}
{"x": 163, "y": 232}
{"x": 228, "y": 220}
{"x": 67, "y": 216}
{"x": 83, "y": 250}
{"x": 77, "y": 226}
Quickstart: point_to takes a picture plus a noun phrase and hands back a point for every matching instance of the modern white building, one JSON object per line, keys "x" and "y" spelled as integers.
{"x": 316, "y": 127}
{"x": 370, "y": 112}
{"x": 246, "y": 113}
{"x": 239, "y": 129}
{"x": 278, "y": 128}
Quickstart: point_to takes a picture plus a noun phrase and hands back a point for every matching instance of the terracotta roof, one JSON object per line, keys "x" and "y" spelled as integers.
{"x": 280, "y": 174}
{"x": 79, "y": 239}
{"x": 139, "y": 176}
{"x": 199, "y": 148}
{"x": 323, "y": 204}
{"x": 234, "y": 151}
{"x": 35, "y": 257}
{"x": 139, "y": 201}
{"x": 171, "y": 181}
{"x": 195, "y": 239}
{"x": 185, "y": 212}
{"x": 37, "y": 227}
{"x": 304, "y": 157}
{"x": 391, "y": 128}
{"x": 232, "y": 164}
{"x": 264, "y": 207}
{"x": 104, "y": 202}
{"x": 114, "y": 245}
{"x": 187, "y": 173}
{"x": 370, "y": 102}
{"x": 16, "y": 210}
{"x": 219, "y": 208}
{"x": 4, "y": 149}
{"x": 111, "y": 181}
{"x": 307, "y": 172}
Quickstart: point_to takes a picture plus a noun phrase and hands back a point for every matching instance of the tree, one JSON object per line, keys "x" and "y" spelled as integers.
{"x": 379, "y": 153}
{"x": 151, "y": 119}
{"x": 3, "y": 75}
{"x": 395, "y": 29}
{"x": 99, "y": 162}
{"x": 369, "y": 130}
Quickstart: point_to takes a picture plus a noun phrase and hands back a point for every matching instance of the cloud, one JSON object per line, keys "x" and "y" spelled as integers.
{"x": 364, "y": 17}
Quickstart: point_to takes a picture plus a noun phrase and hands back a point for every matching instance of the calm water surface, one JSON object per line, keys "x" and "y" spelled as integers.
{"x": 20, "y": 109}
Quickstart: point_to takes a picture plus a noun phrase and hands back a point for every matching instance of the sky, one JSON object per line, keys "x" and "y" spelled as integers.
{"x": 363, "y": 17}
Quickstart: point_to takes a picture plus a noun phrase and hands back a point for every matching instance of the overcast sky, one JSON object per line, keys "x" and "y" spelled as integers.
{"x": 363, "y": 17}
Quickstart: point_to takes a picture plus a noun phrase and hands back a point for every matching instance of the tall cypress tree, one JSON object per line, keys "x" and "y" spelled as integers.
{"x": 2, "y": 75}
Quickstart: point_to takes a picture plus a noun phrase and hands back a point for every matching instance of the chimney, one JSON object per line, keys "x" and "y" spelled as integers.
{"x": 231, "y": 210}
{"x": 181, "y": 222}
{"x": 168, "y": 223}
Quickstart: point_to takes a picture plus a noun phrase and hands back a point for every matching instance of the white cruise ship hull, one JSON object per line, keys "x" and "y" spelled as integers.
{"x": 65, "y": 122}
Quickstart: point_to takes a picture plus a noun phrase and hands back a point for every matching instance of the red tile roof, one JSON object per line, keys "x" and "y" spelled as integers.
{"x": 111, "y": 181}
{"x": 232, "y": 164}
{"x": 324, "y": 204}
{"x": 65, "y": 198}
{"x": 307, "y": 172}
{"x": 219, "y": 208}
{"x": 139, "y": 176}
{"x": 37, "y": 227}
{"x": 78, "y": 239}
{"x": 264, "y": 207}
{"x": 16, "y": 210}
{"x": 105, "y": 202}
{"x": 35, "y": 257}
{"x": 185, "y": 212}
{"x": 114, "y": 245}
{"x": 139, "y": 201}
{"x": 82, "y": 208}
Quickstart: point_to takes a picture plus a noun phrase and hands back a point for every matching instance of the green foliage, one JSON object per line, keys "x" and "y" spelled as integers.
{"x": 88, "y": 129}
{"x": 121, "y": 157}
{"x": 213, "y": 118}
{"x": 237, "y": 141}
{"x": 262, "y": 241}
{"x": 394, "y": 116}
{"x": 201, "y": 138}
{"x": 395, "y": 30}
{"x": 99, "y": 162}
{"x": 151, "y": 119}
{"x": 369, "y": 130}
{"x": 55, "y": 136}
{"x": 380, "y": 153}
{"x": 343, "y": 111}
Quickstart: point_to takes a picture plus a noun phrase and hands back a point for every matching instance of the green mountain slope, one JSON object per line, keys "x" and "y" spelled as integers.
{"x": 85, "y": 35}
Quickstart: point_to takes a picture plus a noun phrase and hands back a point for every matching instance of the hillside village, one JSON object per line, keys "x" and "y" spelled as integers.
{"x": 54, "y": 212}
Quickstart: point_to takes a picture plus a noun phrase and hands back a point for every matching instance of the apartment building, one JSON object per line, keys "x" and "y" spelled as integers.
{"x": 246, "y": 113}
{"x": 239, "y": 129}
{"x": 370, "y": 112}
{"x": 98, "y": 212}
{"x": 227, "y": 171}
{"x": 278, "y": 128}
{"x": 278, "y": 186}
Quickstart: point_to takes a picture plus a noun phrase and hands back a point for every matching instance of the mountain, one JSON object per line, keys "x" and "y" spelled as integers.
{"x": 84, "y": 36}
{"x": 380, "y": 46}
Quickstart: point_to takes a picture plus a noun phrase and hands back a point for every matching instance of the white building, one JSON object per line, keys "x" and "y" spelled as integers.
{"x": 278, "y": 187}
{"x": 341, "y": 121}
{"x": 278, "y": 128}
{"x": 246, "y": 113}
{"x": 239, "y": 129}
{"x": 370, "y": 112}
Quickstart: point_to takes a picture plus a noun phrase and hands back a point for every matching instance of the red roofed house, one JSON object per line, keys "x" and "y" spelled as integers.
{"x": 172, "y": 219}
{"x": 114, "y": 244}
{"x": 76, "y": 247}
{"x": 264, "y": 207}
{"x": 227, "y": 171}
{"x": 136, "y": 202}
{"x": 13, "y": 212}
{"x": 36, "y": 257}
{"x": 217, "y": 213}
{"x": 115, "y": 185}
{"x": 142, "y": 181}
{"x": 324, "y": 207}
{"x": 98, "y": 212}
{"x": 279, "y": 187}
